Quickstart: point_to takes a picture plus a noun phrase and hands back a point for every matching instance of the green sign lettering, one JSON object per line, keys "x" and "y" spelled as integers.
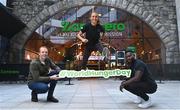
{"x": 8, "y": 71}
{"x": 74, "y": 27}
{"x": 120, "y": 27}
{"x": 65, "y": 25}
{"x": 94, "y": 73}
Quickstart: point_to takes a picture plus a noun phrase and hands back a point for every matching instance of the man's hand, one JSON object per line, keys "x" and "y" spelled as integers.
{"x": 54, "y": 77}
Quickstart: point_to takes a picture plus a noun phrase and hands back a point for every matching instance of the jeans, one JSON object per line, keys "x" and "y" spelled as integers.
{"x": 141, "y": 89}
{"x": 42, "y": 87}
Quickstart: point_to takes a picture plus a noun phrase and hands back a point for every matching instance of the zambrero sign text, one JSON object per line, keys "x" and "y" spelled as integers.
{"x": 74, "y": 27}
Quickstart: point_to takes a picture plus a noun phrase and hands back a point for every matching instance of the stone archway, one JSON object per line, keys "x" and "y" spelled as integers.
{"x": 19, "y": 40}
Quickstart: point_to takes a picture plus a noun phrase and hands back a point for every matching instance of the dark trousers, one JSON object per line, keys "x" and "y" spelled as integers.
{"x": 141, "y": 89}
{"x": 87, "y": 52}
{"x": 42, "y": 87}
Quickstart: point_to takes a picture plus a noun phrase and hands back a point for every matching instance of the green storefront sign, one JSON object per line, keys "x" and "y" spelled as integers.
{"x": 74, "y": 27}
{"x": 131, "y": 48}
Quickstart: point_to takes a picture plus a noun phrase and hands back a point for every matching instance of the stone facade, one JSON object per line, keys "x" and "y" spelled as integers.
{"x": 160, "y": 15}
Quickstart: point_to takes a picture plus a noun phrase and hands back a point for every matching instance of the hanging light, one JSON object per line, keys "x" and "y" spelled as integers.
{"x": 59, "y": 52}
{"x": 28, "y": 57}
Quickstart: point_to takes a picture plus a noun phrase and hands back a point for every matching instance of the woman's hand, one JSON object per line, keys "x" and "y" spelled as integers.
{"x": 84, "y": 40}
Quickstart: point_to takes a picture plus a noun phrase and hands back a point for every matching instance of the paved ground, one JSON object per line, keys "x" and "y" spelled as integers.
{"x": 89, "y": 94}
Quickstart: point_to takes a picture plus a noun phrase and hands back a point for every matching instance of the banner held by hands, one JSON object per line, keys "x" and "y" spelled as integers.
{"x": 94, "y": 73}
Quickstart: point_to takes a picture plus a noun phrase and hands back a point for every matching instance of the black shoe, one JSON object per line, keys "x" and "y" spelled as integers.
{"x": 34, "y": 97}
{"x": 52, "y": 99}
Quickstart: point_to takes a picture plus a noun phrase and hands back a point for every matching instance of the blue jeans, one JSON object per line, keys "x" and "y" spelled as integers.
{"x": 42, "y": 87}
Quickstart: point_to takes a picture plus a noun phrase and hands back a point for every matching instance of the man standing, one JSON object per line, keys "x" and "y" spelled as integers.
{"x": 93, "y": 32}
{"x": 43, "y": 72}
{"x": 140, "y": 83}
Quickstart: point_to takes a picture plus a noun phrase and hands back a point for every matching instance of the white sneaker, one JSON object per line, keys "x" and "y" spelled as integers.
{"x": 145, "y": 104}
{"x": 138, "y": 100}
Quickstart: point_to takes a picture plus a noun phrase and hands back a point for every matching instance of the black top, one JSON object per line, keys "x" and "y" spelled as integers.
{"x": 92, "y": 33}
{"x": 141, "y": 66}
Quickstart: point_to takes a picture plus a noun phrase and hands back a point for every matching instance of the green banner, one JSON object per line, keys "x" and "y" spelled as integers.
{"x": 94, "y": 73}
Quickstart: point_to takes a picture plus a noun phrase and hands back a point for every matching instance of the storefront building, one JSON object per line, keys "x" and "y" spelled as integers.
{"x": 149, "y": 28}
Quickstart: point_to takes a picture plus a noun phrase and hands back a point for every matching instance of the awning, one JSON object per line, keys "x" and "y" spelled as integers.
{"x": 9, "y": 23}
